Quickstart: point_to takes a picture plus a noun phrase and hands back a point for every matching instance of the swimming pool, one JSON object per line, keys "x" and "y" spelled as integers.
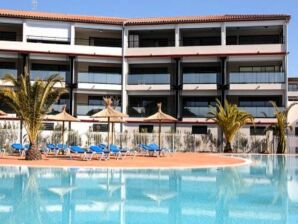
{"x": 265, "y": 191}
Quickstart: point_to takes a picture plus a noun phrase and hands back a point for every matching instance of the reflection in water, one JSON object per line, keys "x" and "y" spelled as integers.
{"x": 264, "y": 192}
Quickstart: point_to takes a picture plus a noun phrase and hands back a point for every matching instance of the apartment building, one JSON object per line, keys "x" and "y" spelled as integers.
{"x": 184, "y": 62}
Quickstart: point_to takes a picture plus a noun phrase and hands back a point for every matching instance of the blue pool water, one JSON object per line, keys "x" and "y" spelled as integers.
{"x": 265, "y": 191}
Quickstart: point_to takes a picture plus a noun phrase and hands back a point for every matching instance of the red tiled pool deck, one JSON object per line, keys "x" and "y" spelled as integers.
{"x": 177, "y": 160}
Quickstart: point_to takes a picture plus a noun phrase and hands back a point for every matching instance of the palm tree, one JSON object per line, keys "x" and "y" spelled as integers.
{"x": 230, "y": 119}
{"x": 280, "y": 128}
{"x": 31, "y": 102}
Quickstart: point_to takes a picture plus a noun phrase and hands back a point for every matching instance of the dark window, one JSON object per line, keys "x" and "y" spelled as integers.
{"x": 48, "y": 126}
{"x": 10, "y": 36}
{"x": 95, "y": 100}
{"x": 49, "y": 67}
{"x": 146, "y": 106}
{"x": 201, "y": 41}
{"x": 296, "y": 131}
{"x": 7, "y": 65}
{"x": 293, "y": 87}
{"x": 144, "y": 70}
{"x": 257, "y": 130}
{"x": 145, "y": 128}
{"x": 100, "y": 127}
{"x": 199, "y": 130}
{"x": 96, "y": 69}
{"x": 259, "y": 101}
{"x": 105, "y": 42}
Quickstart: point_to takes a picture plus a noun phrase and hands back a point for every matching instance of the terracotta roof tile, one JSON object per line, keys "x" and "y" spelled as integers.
{"x": 204, "y": 19}
{"x": 60, "y": 17}
{"x": 137, "y": 21}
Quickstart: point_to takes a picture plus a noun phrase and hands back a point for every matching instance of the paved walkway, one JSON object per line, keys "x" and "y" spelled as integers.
{"x": 178, "y": 160}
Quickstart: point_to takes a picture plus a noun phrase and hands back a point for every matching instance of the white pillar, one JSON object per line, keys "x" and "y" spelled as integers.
{"x": 24, "y": 32}
{"x": 124, "y": 69}
{"x": 223, "y": 34}
{"x": 177, "y": 36}
{"x": 285, "y": 64}
{"x": 72, "y": 34}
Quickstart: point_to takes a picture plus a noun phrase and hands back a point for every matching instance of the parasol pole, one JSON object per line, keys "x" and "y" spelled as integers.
{"x": 62, "y": 132}
{"x": 109, "y": 133}
{"x": 159, "y": 132}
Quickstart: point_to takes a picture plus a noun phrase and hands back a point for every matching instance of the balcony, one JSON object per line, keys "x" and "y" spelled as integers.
{"x": 149, "y": 79}
{"x": 200, "y": 37}
{"x": 100, "y": 78}
{"x": 11, "y": 32}
{"x": 256, "y": 77}
{"x": 199, "y": 112}
{"x": 88, "y": 110}
{"x": 260, "y": 112}
{"x": 98, "y": 37}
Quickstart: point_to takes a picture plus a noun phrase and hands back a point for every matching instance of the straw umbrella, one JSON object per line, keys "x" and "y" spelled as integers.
{"x": 62, "y": 116}
{"x": 110, "y": 114}
{"x": 160, "y": 117}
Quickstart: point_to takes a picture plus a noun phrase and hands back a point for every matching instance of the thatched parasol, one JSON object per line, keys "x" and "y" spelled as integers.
{"x": 110, "y": 114}
{"x": 2, "y": 113}
{"x": 160, "y": 117}
{"x": 62, "y": 116}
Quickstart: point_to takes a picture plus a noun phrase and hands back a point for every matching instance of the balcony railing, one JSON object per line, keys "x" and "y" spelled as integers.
{"x": 56, "y": 108}
{"x": 260, "y": 112}
{"x": 200, "y": 78}
{"x": 4, "y": 71}
{"x": 89, "y": 110}
{"x": 151, "y": 43}
{"x": 99, "y": 78}
{"x": 256, "y": 77}
{"x": 45, "y": 74}
{"x": 148, "y": 79}
{"x": 196, "y": 111}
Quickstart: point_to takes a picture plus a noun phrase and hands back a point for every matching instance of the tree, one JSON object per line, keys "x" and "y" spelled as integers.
{"x": 281, "y": 126}
{"x": 230, "y": 119}
{"x": 31, "y": 101}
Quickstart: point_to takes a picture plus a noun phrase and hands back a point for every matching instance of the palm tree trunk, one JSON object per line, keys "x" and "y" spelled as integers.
{"x": 281, "y": 146}
{"x": 228, "y": 148}
{"x": 33, "y": 152}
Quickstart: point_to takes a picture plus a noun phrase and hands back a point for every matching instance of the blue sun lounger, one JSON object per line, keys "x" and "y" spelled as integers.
{"x": 19, "y": 148}
{"x": 74, "y": 149}
{"x": 98, "y": 150}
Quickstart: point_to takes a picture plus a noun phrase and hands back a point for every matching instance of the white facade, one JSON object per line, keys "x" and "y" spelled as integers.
{"x": 184, "y": 65}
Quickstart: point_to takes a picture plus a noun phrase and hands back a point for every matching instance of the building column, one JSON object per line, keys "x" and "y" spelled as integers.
{"x": 223, "y": 34}
{"x": 285, "y": 62}
{"x": 177, "y": 36}
{"x": 125, "y": 70}
{"x": 24, "y": 37}
{"x": 72, "y": 34}
{"x": 223, "y": 86}
{"x": 177, "y": 87}
{"x": 72, "y": 84}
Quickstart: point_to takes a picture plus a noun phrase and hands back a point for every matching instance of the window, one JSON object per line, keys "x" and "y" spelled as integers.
{"x": 258, "y": 130}
{"x": 108, "y": 70}
{"x": 105, "y": 42}
{"x": 296, "y": 131}
{"x": 202, "y": 130}
{"x": 267, "y": 68}
{"x": 145, "y": 128}
{"x": 10, "y": 36}
{"x": 48, "y": 126}
{"x": 133, "y": 41}
{"x": 100, "y": 127}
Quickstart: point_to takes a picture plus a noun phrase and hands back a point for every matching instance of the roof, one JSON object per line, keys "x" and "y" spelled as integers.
{"x": 60, "y": 17}
{"x": 138, "y": 21}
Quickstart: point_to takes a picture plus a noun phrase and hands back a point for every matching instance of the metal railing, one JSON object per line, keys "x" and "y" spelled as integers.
{"x": 100, "y": 78}
{"x": 147, "y": 79}
{"x": 43, "y": 74}
{"x": 256, "y": 77}
{"x": 4, "y": 71}
{"x": 200, "y": 78}
{"x": 151, "y": 43}
{"x": 196, "y": 111}
{"x": 259, "y": 112}
{"x": 89, "y": 110}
